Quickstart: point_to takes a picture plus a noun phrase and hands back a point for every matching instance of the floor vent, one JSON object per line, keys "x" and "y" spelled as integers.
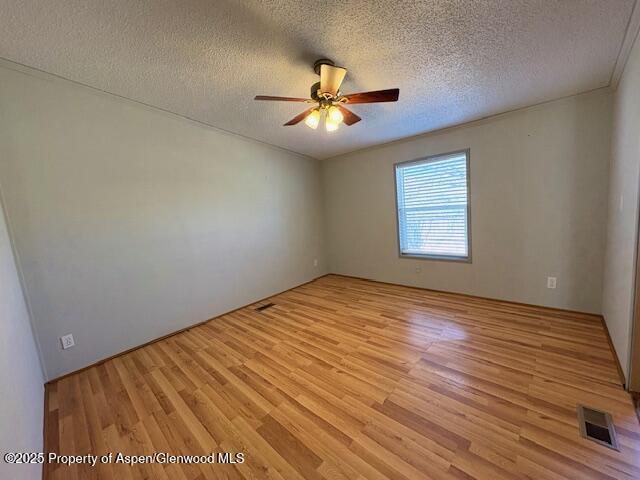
{"x": 264, "y": 307}
{"x": 597, "y": 426}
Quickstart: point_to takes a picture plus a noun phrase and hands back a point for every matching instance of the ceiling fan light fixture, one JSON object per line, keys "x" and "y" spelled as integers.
{"x": 328, "y": 100}
{"x": 335, "y": 114}
{"x": 331, "y": 125}
{"x": 313, "y": 119}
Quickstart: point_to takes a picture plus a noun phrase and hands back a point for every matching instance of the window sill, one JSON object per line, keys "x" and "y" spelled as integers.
{"x": 445, "y": 258}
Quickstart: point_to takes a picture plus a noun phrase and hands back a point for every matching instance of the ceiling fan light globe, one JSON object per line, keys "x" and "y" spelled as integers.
{"x": 330, "y": 125}
{"x": 335, "y": 115}
{"x": 313, "y": 119}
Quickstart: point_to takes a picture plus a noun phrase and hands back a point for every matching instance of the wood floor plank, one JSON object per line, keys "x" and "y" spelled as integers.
{"x": 350, "y": 379}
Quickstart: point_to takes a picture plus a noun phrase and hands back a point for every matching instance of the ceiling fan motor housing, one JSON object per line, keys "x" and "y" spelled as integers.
{"x": 315, "y": 88}
{"x": 322, "y": 61}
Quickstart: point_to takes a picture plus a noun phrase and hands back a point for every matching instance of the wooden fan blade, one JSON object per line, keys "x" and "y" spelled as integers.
{"x": 331, "y": 78}
{"x": 390, "y": 95}
{"x": 279, "y": 99}
{"x": 349, "y": 117}
{"x": 298, "y": 118}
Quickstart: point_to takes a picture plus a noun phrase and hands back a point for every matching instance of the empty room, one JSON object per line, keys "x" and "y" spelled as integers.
{"x": 359, "y": 240}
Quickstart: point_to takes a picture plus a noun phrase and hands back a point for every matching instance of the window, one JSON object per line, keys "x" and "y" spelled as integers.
{"x": 433, "y": 207}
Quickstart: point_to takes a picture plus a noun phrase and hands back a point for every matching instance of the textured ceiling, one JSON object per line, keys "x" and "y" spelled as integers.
{"x": 454, "y": 61}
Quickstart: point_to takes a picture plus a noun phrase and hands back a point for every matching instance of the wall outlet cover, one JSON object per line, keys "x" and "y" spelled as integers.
{"x": 67, "y": 341}
{"x": 551, "y": 282}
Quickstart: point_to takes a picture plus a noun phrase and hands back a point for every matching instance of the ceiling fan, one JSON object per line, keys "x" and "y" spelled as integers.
{"x": 329, "y": 101}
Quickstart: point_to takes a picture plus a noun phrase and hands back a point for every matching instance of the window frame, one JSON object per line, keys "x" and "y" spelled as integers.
{"x": 428, "y": 256}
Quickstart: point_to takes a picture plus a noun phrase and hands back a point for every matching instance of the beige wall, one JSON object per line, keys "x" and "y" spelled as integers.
{"x": 623, "y": 209}
{"x": 538, "y": 206}
{"x": 131, "y": 223}
{"x": 21, "y": 382}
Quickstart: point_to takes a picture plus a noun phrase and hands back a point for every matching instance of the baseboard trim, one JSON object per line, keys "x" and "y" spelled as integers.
{"x": 623, "y": 380}
{"x": 468, "y": 295}
{"x": 168, "y": 335}
{"x": 45, "y": 432}
{"x": 635, "y": 398}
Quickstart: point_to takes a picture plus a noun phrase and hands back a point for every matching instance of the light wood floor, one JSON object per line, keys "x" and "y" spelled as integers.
{"x": 349, "y": 379}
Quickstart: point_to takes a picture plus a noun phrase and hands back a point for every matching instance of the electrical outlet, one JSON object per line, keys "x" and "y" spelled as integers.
{"x": 551, "y": 282}
{"x": 315, "y": 262}
{"x": 418, "y": 269}
{"x": 67, "y": 341}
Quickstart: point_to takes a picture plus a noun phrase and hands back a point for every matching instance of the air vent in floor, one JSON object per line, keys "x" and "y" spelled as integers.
{"x": 597, "y": 426}
{"x": 264, "y": 307}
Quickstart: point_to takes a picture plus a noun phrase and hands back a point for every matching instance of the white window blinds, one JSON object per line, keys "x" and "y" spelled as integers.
{"x": 433, "y": 207}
